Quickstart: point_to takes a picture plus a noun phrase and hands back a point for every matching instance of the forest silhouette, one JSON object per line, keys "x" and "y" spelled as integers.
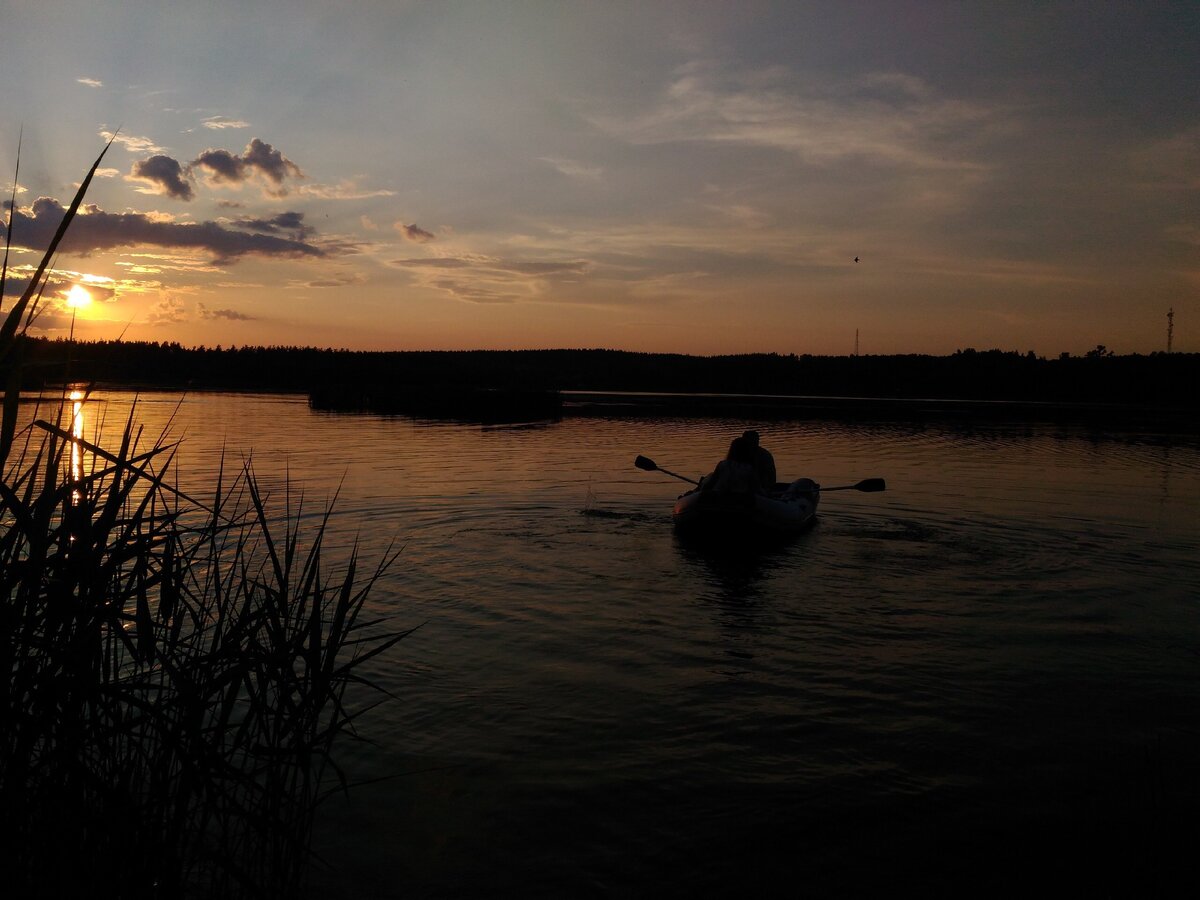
{"x": 1157, "y": 387}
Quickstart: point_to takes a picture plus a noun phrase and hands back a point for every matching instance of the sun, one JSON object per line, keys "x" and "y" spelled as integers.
{"x": 78, "y": 297}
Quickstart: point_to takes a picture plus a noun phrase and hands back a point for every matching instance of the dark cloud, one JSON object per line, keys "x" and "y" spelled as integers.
{"x": 335, "y": 246}
{"x": 56, "y": 284}
{"x": 415, "y": 233}
{"x": 259, "y": 158}
{"x": 473, "y": 293}
{"x": 574, "y": 267}
{"x": 287, "y": 221}
{"x": 221, "y": 165}
{"x": 577, "y": 267}
{"x": 438, "y": 263}
{"x": 336, "y": 280}
{"x": 165, "y": 174}
{"x": 15, "y": 287}
{"x": 95, "y": 229}
{"x": 273, "y": 164}
{"x": 232, "y": 314}
{"x": 487, "y": 279}
{"x": 50, "y": 320}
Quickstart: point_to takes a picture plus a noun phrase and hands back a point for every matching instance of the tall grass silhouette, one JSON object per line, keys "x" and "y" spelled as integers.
{"x": 173, "y": 671}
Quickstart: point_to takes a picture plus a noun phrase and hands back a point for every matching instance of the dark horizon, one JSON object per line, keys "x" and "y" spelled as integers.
{"x": 1149, "y": 391}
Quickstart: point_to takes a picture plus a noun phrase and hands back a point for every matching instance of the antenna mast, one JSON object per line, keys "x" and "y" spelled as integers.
{"x": 856, "y": 342}
{"x": 1170, "y": 327}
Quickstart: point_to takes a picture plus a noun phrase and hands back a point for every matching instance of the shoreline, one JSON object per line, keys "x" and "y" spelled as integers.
{"x": 886, "y": 409}
{"x": 456, "y": 405}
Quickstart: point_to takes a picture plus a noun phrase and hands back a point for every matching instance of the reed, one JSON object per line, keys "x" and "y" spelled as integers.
{"x": 175, "y": 670}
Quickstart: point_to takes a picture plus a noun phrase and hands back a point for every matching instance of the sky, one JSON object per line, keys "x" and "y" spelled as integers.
{"x": 701, "y": 177}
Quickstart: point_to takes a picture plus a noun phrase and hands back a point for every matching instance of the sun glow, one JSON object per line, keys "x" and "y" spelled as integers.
{"x": 78, "y": 297}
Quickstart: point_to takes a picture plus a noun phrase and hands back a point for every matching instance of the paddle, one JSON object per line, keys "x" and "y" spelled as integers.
{"x": 867, "y": 485}
{"x": 650, "y": 465}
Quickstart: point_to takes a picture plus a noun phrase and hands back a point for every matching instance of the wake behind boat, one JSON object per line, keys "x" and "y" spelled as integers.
{"x": 787, "y": 510}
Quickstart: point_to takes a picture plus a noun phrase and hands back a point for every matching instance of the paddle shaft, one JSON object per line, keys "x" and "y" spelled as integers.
{"x": 674, "y": 475}
{"x": 648, "y": 465}
{"x": 868, "y": 485}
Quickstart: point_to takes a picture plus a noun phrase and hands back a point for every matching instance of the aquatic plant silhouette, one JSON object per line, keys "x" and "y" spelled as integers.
{"x": 175, "y": 670}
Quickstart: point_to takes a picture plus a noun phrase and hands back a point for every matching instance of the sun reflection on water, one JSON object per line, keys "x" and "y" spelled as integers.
{"x": 76, "y": 398}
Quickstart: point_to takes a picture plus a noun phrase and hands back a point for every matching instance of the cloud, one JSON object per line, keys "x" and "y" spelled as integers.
{"x": 482, "y": 279}
{"x": 217, "y": 123}
{"x": 743, "y": 215}
{"x": 273, "y": 164}
{"x": 165, "y": 176}
{"x": 574, "y": 267}
{"x": 433, "y": 263}
{"x": 95, "y": 229}
{"x": 90, "y": 82}
{"x": 107, "y": 173}
{"x": 286, "y": 221}
{"x": 334, "y": 280}
{"x": 415, "y": 233}
{"x": 52, "y": 312}
{"x": 258, "y": 159}
{"x": 1183, "y": 234}
{"x": 1172, "y": 162}
{"x": 230, "y": 314}
{"x": 573, "y": 169}
{"x": 156, "y": 263}
{"x": 167, "y": 311}
{"x": 133, "y": 143}
{"x": 58, "y": 282}
{"x": 343, "y": 190}
{"x": 221, "y": 165}
{"x": 886, "y": 118}
{"x": 474, "y": 291}
{"x": 490, "y": 264}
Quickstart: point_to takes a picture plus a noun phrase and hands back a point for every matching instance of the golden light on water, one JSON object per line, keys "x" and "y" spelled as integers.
{"x": 77, "y": 433}
{"x": 78, "y": 297}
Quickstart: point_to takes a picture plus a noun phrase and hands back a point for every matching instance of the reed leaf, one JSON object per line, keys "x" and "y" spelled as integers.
{"x": 176, "y": 673}
{"x": 14, "y": 319}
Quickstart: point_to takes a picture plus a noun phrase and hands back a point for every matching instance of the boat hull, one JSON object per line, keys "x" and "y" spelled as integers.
{"x": 786, "y": 511}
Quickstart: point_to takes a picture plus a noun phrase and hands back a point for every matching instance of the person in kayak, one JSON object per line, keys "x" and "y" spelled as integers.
{"x": 764, "y": 462}
{"x": 735, "y": 474}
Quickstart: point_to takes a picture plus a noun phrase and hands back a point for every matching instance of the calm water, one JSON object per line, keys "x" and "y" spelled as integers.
{"x": 993, "y": 665}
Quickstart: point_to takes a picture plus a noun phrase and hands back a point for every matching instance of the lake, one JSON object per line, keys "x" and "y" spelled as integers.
{"x": 990, "y": 668}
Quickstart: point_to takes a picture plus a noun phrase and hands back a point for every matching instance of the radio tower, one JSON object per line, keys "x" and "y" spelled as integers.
{"x": 1170, "y": 327}
{"x": 856, "y": 342}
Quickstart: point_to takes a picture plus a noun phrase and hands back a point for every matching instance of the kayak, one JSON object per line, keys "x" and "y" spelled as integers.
{"x": 787, "y": 510}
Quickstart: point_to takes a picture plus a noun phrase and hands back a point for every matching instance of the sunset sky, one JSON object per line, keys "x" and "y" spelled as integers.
{"x": 660, "y": 176}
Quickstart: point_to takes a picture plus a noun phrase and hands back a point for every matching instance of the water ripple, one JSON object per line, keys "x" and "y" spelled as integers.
{"x": 584, "y": 683}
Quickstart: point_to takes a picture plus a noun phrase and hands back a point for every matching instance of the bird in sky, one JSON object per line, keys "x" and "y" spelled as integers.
{"x": 856, "y": 259}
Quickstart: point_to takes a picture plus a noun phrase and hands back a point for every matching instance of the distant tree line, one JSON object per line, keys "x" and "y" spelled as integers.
{"x": 1158, "y": 379}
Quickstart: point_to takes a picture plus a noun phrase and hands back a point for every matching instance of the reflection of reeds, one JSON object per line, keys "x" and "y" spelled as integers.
{"x": 173, "y": 672}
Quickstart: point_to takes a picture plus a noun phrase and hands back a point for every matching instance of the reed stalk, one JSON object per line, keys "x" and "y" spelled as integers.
{"x": 176, "y": 670}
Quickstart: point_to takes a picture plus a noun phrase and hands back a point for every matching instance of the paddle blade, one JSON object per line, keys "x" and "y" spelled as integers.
{"x": 647, "y": 464}
{"x": 871, "y": 485}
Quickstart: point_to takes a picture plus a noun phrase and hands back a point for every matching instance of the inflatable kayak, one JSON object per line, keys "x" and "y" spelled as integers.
{"x": 789, "y": 509}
